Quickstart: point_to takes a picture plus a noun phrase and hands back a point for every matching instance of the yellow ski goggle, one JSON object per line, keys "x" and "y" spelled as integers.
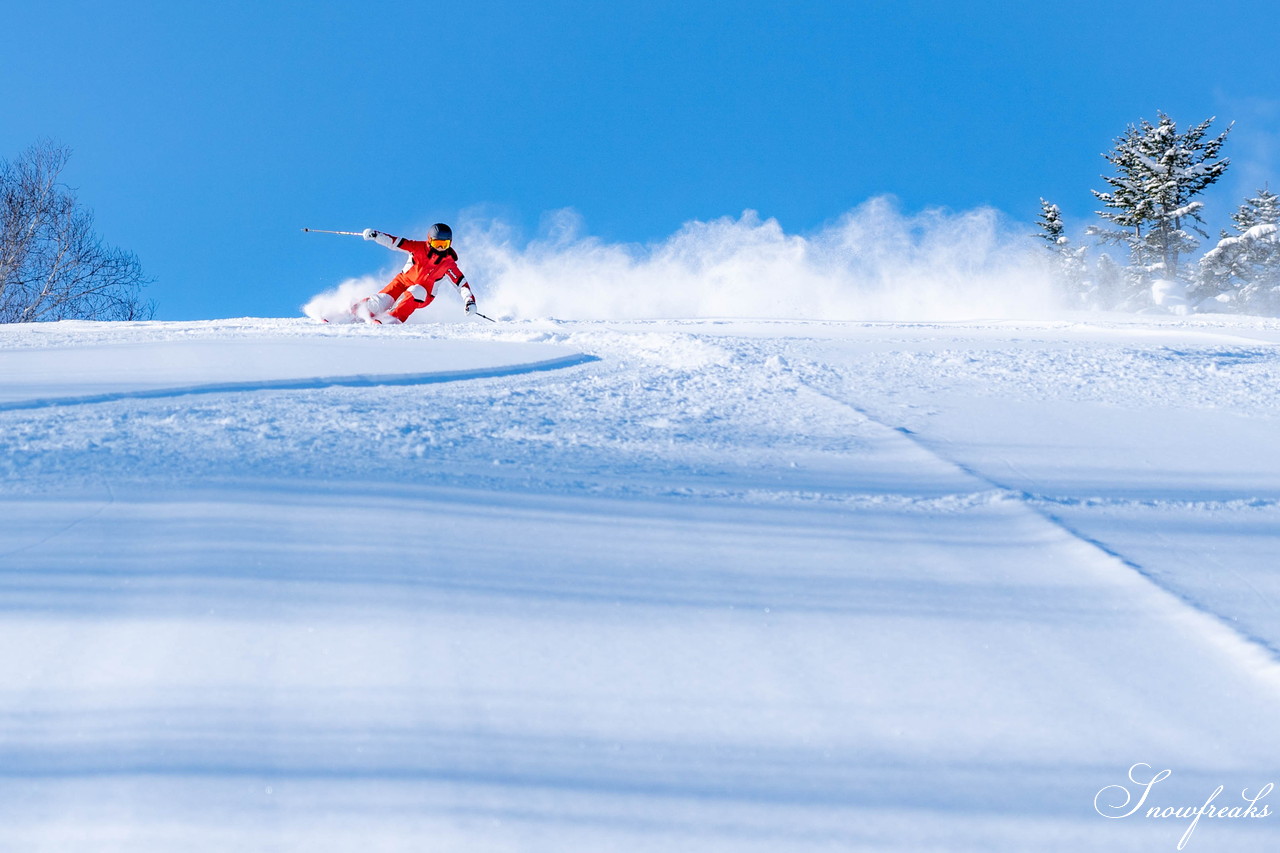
{"x": 439, "y": 245}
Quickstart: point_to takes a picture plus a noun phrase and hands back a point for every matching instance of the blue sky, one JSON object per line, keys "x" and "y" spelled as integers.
{"x": 206, "y": 135}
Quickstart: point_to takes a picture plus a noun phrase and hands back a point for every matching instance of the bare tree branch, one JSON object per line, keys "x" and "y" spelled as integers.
{"x": 52, "y": 264}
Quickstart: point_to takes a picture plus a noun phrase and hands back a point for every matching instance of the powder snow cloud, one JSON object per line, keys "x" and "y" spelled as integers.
{"x": 873, "y": 263}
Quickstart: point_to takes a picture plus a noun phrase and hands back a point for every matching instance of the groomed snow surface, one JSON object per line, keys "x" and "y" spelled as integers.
{"x": 268, "y": 585}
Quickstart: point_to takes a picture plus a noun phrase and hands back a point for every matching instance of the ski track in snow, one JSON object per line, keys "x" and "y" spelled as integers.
{"x": 730, "y": 585}
{"x": 1254, "y": 652}
{"x": 358, "y": 381}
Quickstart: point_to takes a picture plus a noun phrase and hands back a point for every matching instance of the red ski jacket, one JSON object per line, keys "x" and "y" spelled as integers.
{"x": 427, "y": 266}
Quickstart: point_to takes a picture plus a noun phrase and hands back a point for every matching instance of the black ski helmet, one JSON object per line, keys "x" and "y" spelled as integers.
{"x": 440, "y": 231}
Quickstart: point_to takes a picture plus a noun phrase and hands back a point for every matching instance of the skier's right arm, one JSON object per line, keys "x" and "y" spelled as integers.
{"x": 383, "y": 239}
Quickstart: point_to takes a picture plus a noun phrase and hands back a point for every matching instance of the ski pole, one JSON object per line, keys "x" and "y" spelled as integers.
{"x": 490, "y": 319}
{"x": 343, "y": 233}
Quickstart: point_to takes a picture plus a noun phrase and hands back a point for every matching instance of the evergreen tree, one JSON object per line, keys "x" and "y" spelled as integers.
{"x": 1244, "y": 268}
{"x": 1151, "y": 204}
{"x": 1109, "y": 282}
{"x": 1263, "y": 209}
{"x": 1052, "y": 229}
{"x": 1068, "y": 262}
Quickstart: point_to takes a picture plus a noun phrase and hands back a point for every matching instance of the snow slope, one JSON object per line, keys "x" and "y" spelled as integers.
{"x": 701, "y": 585}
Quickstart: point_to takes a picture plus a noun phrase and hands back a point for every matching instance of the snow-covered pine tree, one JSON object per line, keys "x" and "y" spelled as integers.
{"x": 1068, "y": 262}
{"x": 1243, "y": 270}
{"x": 1151, "y": 202}
{"x": 1109, "y": 282}
{"x": 1052, "y": 231}
{"x": 1262, "y": 209}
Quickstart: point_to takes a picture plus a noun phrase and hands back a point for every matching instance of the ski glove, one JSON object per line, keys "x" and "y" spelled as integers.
{"x": 370, "y": 234}
{"x": 471, "y": 306}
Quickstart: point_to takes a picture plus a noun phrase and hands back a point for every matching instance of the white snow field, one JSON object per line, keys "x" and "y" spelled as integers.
{"x": 267, "y": 585}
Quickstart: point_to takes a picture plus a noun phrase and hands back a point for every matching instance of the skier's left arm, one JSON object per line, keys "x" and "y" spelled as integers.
{"x": 459, "y": 281}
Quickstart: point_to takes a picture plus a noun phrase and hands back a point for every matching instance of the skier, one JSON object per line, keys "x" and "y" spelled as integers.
{"x": 414, "y": 287}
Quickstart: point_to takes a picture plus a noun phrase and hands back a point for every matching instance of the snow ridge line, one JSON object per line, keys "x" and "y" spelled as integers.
{"x": 355, "y": 381}
{"x": 1257, "y": 656}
